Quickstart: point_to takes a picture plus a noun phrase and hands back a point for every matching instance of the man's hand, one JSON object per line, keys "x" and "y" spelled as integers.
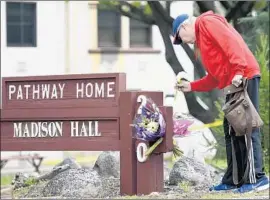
{"x": 184, "y": 86}
{"x": 237, "y": 80}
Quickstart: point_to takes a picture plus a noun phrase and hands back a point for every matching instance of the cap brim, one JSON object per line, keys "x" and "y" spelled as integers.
{"x": 177, "y": 40}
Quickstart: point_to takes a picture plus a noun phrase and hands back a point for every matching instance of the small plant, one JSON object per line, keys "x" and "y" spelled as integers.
{"x": 185, "y": 186}
{"x": 262, "y": 55}
{"x": 30, "y": 181}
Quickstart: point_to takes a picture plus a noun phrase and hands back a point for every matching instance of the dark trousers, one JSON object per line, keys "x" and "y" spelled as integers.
{"x": 240, "y": 145}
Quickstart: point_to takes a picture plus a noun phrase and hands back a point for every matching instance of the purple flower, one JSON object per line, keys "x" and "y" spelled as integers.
{"x": 150, "y": 116}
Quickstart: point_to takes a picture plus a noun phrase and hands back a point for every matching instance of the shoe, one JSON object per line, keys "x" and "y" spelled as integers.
{"x": 222, "y": 187}
{"x": 261, "y": 185}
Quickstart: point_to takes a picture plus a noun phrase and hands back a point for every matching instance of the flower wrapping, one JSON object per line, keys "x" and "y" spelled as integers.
{"x": 181, "y": 125}
{"x": 149, "y": 123}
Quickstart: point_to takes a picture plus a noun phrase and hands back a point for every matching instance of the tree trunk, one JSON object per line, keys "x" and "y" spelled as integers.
{"x": 226, "y": 4}
{"x": 195, "y": 108}
{"x": 206, "y": 6}
{"x": 243, "y": 12}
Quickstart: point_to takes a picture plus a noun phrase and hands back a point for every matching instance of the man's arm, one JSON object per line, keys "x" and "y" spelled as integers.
{"x": 204, "y": 84}
{"x": 229, "y": 43}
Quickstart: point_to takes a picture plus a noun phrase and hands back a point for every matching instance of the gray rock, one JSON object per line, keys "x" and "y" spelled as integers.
{"x": 54, "y": 172}
{"x": 23, "y": 179}
{"x": 108, "y": 164}
{"x": 72, "y": 182}
{"x": 68, "y": 161}
{"x": 35, "y": 190}
{"x": 193, "y": 172}
{"x": 110, "y": 188}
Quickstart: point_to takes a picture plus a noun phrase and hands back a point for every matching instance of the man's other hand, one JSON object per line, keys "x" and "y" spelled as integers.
{"x": 184, "y": 86}
{"x": 237, "y": 80}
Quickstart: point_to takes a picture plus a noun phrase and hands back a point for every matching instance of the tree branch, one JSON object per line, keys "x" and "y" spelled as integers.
{"x": 230, "y": 15}
{"x": 148, "y": 18}
{"x": 132, "y": 12}
{"x": 240, "y": 9}
{"x": 162, "y": 12}
{"x": 164, "y": 28}
{"x": 164, "y": 24}
{"x": 226, "y": 4}
{"x": 206, "y": 6}
{"x": 136, "y": 17}
{"x": 168, "y": 7}
{"x": 196, "y": 63}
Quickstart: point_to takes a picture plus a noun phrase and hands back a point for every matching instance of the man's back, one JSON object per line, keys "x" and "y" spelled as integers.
{"x": 223, "y": 50}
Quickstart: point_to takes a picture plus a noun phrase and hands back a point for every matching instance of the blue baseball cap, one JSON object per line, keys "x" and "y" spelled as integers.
{"x": 176, "y": 23}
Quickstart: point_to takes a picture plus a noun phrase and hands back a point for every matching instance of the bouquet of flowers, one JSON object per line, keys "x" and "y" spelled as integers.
{"x": 149, "y": 125}
{"x": 182, "y": 124}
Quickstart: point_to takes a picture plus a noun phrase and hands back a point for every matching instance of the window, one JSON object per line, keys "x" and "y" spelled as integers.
{"x": 140, "y": 34}
{"x": 21, "y": 24}
{"x": 109, "y": 28}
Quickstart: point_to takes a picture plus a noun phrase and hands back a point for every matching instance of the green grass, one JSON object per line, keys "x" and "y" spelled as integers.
{"x": 129, "y": 197}
{"x": 229, "y": 195}
{"x": 79, "y": 159}
{"x": 222, "y": 164}
{"x": 185, "y": 186}
{"x": 6, "y": 179}
{"x": 217, "y": 163}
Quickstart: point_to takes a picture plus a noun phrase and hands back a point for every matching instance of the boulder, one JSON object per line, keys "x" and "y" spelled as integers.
{"x": 108, "y": 164}
{"x": 194, "y": 172}
{"x": 72, "y": 182}
{"x": 69, "y": 180}
{"x": 69, "y": 161}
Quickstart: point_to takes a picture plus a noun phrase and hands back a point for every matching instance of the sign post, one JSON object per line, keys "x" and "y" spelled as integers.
{"x": 82, "y": 113}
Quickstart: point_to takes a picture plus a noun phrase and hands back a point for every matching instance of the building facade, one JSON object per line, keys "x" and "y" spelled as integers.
{"x": 73, "y": 37}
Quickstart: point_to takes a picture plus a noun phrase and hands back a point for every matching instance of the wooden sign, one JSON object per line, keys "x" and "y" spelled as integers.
{"x": 82, "y": 113}
{"x": 61, "y": 91}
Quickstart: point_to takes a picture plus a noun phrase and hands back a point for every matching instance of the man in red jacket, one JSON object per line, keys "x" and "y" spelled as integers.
{"x": 227, "y": 60}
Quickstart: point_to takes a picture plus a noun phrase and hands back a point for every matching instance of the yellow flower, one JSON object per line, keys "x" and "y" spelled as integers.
{"x": 152, "y": 126}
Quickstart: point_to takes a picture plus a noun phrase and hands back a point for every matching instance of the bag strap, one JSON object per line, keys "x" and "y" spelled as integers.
{"x": 249, "y": 149}
{"x": 231, "y": 89}
{"x": 245, "y": 83}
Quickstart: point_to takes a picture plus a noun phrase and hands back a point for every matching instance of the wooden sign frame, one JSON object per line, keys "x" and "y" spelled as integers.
{"x": 89, "y": 112}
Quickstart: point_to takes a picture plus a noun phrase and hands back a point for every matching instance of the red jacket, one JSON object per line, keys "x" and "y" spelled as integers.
{"x": 223, "y": 51}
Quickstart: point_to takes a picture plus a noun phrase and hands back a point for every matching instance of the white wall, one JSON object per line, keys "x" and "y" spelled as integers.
{"x": 79, "y": 37}
{"x": 48, "y": 57}
{"x": 45, "y": 59}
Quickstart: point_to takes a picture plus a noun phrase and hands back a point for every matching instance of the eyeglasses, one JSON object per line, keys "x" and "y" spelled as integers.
{"x": 177, "y": 33}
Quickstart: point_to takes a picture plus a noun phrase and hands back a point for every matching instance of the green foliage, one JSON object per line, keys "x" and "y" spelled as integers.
{"x": 30, "y": 181}
{"x": 262, "y": 55}
{"x": 255, "y": 26}
{"x": 185, "y": 186}
{"x": 218, "y": 132}
{"x": 109, "y": 5}
{"x": 259, "y": 5}
{"x": 258, "y": 41}
{"x": 126, "y": 7}
{"x": 217, "y": 163}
